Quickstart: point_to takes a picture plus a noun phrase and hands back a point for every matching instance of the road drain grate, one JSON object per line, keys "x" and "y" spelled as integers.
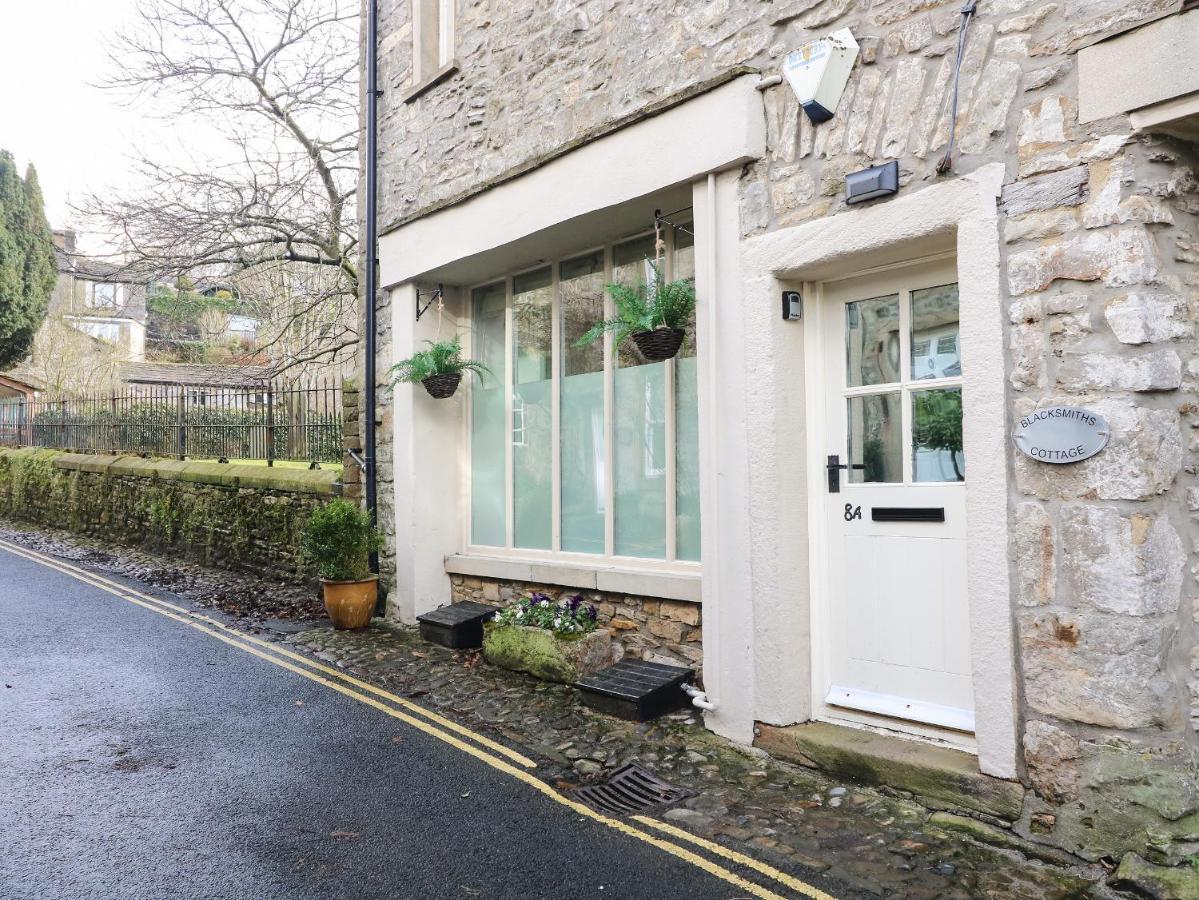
{"x": 631, "y": 791}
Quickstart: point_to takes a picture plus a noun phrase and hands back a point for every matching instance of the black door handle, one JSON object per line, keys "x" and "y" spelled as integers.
{"x": 834, "y": 468}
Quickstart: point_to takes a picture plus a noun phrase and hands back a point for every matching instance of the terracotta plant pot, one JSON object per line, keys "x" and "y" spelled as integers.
{"x": 442, "y": 386}
{"x": 351, "y": 604}
{"x": 659, "y": 344}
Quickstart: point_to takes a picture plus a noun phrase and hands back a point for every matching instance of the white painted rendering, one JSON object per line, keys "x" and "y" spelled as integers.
{"x": 714, "y": 131}
{"x": 958, "y": 215}
{"x": 428, "y": 467}
{"x": 730, "y": 637}
{"x": 1112, "y": 74}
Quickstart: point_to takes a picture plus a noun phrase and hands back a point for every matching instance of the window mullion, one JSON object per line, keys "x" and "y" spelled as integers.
{"x": 672, "y": 532}
{"x": 905, "y": 380}
{"x": 609, "y": 417}
{"x": 556, "y": 410}
{"x": 509, "y": 391}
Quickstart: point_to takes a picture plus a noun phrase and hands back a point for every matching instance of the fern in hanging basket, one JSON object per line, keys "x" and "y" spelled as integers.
{"x": 439, "y": 368}
{"x": 655, "y": 315}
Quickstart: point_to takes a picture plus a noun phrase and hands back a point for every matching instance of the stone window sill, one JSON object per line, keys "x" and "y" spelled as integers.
{"x": 432, "y": 81}
{"x": 612, "y": 579}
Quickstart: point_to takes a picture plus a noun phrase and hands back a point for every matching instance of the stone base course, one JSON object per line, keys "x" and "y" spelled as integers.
{"x": 665, "y": 631}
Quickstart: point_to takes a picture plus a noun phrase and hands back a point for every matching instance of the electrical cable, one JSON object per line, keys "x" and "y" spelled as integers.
{"x": 945, "y": 164}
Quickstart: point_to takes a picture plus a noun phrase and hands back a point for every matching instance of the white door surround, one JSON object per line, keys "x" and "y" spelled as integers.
{"x": 786, "y": 466}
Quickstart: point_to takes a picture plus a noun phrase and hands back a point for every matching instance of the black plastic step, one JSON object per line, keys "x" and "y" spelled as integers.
{"x": 457, "y": 626}
{"x": 637, "y": 690}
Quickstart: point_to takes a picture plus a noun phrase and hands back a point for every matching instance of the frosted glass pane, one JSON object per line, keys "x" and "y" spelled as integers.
{"x": 532, "y": 409}
{"x": 640, "y": 461}
{"x": 640, "y": 428}
{"x": 584, "y": 481}
{"x": 489, "y": 497}
{"x": 632, "y": 264}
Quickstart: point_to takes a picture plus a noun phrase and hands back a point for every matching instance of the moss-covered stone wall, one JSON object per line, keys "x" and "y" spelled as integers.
{"x": 231, "y": 516}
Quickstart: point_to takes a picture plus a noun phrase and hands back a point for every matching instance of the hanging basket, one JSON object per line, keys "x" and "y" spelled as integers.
{"x": 659, "y": 344}
{"x": 442, "y": 386}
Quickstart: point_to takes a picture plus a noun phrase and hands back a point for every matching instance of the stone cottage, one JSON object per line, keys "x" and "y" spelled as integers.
{"x": 101, "y": 299}
{"x": 828, "y": 511}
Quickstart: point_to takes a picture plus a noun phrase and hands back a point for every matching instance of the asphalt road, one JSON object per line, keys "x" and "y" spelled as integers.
{"x": 141, "y": 758}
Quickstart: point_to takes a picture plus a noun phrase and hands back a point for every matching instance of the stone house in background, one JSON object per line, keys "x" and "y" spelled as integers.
{"x": 827, "y": 514}
{"x": 100, "y": 299}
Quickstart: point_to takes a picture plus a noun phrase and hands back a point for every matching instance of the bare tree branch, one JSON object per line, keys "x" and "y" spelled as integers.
{"x": 278, "y": 81}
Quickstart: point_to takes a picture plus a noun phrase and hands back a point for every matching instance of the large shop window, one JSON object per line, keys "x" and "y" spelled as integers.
{"x": 582, "y": 450}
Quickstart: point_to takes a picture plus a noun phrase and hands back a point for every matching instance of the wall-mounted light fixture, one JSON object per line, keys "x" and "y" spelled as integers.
{"x": 870, "y": 184}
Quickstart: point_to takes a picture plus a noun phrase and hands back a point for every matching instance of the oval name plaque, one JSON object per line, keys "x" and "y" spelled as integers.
{"x": 1061, "y": 434}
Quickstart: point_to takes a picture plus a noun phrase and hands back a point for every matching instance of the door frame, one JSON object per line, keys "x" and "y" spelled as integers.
{"x": 959, "y": 214}
{"x": 817, "y": 330}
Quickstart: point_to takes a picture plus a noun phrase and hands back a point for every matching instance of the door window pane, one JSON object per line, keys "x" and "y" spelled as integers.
{"x": 532, "y": 409}
{"x": 936, "y": 351}
{"x": 937, "y": 436}
{"x": 875, "y": 439}
{"x": 640, "y": 427}
{"x": 487, "y": 485}
{"x": 872, "y": 341}
{"x": 584, "y": 480}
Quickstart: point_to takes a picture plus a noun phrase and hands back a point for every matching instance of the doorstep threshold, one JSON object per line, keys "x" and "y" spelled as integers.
{"x": 939, "y": 777}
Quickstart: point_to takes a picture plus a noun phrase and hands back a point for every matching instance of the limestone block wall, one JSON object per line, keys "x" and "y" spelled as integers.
{"x": 665, "y": 631}
{"x": 1100, "y": 231}
{"x": 245, "y": 518}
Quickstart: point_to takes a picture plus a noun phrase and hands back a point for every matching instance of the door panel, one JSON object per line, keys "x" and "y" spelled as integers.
{"x": 897, "y": 639}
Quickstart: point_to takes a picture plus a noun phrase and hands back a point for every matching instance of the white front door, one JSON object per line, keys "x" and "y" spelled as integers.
{"x": 895, "y": 616}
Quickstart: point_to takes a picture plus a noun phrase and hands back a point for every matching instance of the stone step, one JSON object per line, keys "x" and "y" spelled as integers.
{"x": 939, "y": 777}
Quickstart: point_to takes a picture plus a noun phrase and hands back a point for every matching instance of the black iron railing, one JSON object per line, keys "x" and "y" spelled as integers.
{"x": 268, "y": 422}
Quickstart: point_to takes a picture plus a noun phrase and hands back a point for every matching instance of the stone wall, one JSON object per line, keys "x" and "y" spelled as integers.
{"x": 1100, "y": 233}
{"x": 245, "y": 518}
{"x": 1101, "y": 239}
{"x": 665, "y": 631}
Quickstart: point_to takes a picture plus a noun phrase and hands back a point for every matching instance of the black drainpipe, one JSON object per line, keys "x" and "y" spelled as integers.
{"x": 372, "y": 257}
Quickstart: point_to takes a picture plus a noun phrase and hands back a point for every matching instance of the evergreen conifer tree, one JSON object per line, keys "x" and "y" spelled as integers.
{"x": 27, "y": 265}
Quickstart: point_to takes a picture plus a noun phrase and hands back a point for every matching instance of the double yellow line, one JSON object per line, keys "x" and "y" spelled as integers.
{"x": 490, "y": 752}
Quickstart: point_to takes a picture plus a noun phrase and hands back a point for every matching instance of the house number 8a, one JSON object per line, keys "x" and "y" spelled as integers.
{"x": 852, "y": 512}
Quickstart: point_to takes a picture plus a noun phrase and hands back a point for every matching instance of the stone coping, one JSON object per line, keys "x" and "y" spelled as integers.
{"x": 939, "y": 777}
{"x": 230, "y": 475}
{"x": 603, "y": 577}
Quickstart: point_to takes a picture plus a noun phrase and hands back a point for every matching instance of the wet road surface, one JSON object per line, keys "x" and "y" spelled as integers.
{"x": 141, "y": 758}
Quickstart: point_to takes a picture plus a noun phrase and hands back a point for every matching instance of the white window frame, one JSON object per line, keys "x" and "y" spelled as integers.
{"x": 609, "y": 558}
{"x": 434, "y": 38}
{"x": 117, "y": 295}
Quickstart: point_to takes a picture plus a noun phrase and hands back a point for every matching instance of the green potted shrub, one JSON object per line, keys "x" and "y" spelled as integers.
{"x": 439, "y": 368}
{"x": 655, "y": 315}
{"x": 554, "y": 641}
{"x": 338, "y": 540}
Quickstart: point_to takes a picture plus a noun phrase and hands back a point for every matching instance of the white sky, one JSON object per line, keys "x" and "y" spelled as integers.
{"x": 75, "y": 134}
{"x": 80, "y": 137}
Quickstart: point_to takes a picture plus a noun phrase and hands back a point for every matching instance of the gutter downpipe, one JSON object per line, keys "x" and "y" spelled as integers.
{"x": 372, "y": 259}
